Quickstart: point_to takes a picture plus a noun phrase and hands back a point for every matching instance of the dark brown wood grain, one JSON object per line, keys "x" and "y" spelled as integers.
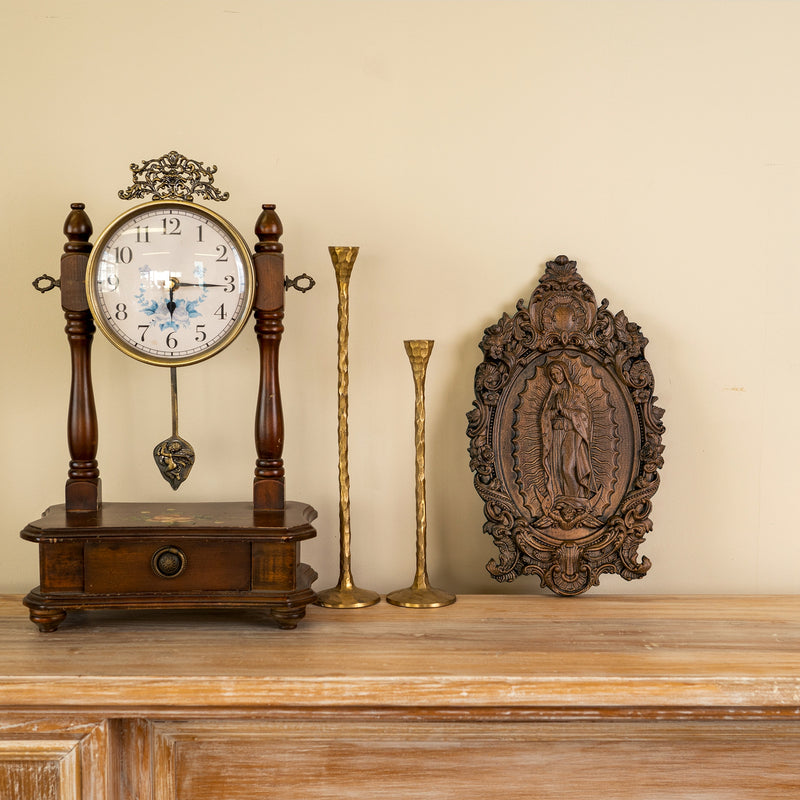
{"x": 269, "y": 480}
{"x": 82, "y": 491}
{"x": 235, "y": 557}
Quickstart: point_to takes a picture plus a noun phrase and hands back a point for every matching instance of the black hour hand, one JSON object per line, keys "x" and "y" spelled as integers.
{"x": 171, "y": 304}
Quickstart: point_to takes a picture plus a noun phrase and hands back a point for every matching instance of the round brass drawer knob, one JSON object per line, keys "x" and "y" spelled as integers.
{"x": 168, "y": 562}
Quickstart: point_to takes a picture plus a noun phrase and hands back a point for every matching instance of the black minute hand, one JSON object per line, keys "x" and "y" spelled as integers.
{"x": 201, "y": 285}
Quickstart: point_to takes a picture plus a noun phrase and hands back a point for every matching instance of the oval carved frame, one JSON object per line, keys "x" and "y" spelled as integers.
{"x": 565, "y": 438}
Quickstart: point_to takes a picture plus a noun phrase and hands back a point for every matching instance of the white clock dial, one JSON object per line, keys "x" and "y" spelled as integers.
{"x": 170, "y": 283}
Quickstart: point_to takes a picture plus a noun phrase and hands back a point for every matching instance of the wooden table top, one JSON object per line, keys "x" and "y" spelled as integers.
{"x": 514, "y": 652}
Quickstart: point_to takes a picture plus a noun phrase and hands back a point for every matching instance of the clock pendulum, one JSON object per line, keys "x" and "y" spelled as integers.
{"x": 174, "y": 457}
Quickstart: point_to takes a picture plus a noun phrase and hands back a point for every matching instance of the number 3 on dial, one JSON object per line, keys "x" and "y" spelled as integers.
{"x": 170, "y": 283}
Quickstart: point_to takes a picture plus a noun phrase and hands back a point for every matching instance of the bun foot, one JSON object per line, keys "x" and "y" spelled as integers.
{"x": 47, "y": 621}
{"x": 287, "y": 618}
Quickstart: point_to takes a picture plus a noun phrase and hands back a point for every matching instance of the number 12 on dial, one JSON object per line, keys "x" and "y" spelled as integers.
{"x": 170, "y": 283}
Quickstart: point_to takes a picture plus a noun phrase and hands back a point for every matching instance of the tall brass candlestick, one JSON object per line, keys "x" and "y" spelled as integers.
{"x": 345, "y": 594}
{"x": 420, "y": 594}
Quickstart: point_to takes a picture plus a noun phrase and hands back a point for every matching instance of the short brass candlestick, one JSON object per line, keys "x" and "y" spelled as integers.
{"x": 345, "y": 594}
{"x": 420, "y": 594}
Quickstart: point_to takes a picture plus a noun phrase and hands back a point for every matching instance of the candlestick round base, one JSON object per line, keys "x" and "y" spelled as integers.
{"x": 423, "y": 597}
{"x": 347, "y": 597}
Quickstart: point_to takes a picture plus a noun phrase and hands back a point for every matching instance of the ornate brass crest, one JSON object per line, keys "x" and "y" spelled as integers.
{"x": 173, "y": 177}
{"x": 565, "y": 439}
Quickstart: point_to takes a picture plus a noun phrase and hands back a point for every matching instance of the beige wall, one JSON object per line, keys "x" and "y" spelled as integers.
{"x": 461, "y": 145}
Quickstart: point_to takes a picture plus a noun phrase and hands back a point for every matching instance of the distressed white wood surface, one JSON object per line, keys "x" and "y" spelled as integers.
{"x": 620, "y": 698}
{"x": 483, "y": 651}
{"x": 65, "y": 758}
{"x": 477, "y": 760}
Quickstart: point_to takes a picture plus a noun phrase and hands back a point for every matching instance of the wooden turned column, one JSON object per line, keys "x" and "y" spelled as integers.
{"x": 268, "y": 484}
{"x": 82, "y": 492}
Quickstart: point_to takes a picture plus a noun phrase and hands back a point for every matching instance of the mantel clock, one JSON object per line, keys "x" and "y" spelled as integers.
{"x": 171, "y": 283}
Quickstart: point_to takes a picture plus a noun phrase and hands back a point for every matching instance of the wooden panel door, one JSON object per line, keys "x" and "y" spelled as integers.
{"x": 53, "y": 760}
{"x": 476, "y": 760}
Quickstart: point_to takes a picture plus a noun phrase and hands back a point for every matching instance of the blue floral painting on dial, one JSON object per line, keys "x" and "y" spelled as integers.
{"x": 169, "y": 311}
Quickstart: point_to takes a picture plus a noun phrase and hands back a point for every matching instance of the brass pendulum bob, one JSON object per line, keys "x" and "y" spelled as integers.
{"x": 174, "y": 457}
{"x": 420, "y": 594}
{"x": 345, "y": 594}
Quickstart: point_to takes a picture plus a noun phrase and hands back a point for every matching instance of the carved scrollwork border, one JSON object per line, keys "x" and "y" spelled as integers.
{"x": 562, "y": 316}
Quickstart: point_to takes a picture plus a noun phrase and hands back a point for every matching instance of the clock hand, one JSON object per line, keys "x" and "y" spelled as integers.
{"x": 172, "y": 305}
{"x": 175, "y": 283}
{"x": 201, "y": 285}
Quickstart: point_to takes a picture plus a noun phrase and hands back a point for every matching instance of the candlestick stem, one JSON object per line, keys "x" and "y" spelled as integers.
{"x": 420, "y": 594}
{"x": 345, "y": 594}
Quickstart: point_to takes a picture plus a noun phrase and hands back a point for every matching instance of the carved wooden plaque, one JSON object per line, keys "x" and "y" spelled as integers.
{"x": 565, "y": 439}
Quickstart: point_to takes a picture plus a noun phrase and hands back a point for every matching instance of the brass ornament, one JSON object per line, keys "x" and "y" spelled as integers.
{"x": 565, "y": 437}
{"x": 345, "y": 594}
{"x": 420, "y": 594}
{"x": 173, "y": 176}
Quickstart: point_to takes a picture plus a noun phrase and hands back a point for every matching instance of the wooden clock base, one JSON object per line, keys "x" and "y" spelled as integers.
{"x": 172, "y": 556}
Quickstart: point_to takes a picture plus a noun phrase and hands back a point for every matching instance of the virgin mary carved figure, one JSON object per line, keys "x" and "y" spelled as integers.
{"x": 566, "y": 441}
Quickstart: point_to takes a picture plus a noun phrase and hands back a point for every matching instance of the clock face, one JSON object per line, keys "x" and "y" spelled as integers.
{"x": 170, "y": 283}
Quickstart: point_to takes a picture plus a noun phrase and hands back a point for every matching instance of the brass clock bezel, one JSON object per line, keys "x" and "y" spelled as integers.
{"x": 110, "y": 333}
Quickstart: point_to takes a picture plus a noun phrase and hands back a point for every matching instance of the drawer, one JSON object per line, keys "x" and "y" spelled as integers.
{"x": 166, "y": 565}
